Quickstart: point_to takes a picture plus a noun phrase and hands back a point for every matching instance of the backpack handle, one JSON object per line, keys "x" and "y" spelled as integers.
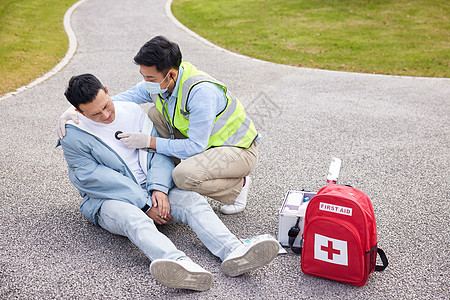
{"x": 384, "y": 260}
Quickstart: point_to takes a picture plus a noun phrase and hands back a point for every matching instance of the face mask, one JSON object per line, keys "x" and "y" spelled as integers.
{"x": 154, "y": 87}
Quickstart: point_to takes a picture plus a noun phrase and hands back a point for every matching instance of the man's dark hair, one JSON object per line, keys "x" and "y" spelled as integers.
{"x": 83, "y": 89}
{"x": 159, "y": 52}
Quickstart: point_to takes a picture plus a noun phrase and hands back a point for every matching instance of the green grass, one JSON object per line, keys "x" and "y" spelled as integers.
{"x": 379, "y": 36}
{"x": 401, "y": 37}
{"x": 32, "y": 39}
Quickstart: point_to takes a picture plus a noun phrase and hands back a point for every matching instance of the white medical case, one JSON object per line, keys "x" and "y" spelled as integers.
{"x": 293, "y": 208}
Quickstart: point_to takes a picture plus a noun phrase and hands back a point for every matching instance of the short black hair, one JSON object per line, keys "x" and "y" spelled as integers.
{"x": 159, "y": 52}
{"x": 83, "y": 89}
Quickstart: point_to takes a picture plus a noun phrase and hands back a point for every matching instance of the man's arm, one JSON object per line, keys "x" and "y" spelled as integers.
{"x": 137, "y": 94}
{"x": 205, "y": 101}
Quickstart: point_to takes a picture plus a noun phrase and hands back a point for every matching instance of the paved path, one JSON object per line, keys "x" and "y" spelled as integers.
{"x": 392, "y": 134}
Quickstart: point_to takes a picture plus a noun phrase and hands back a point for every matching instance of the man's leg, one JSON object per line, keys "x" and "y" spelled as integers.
{"x": 125, "y": 219}
{"x": 238, "y": 258}
{"x": 193, "y": 209}
{"x": 170, "y": 266}
{"x": 218, "y": 172}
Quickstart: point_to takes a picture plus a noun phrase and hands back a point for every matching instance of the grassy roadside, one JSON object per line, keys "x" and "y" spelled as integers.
{"x": 401, "y": 37}
{"x": 32, "y": 39}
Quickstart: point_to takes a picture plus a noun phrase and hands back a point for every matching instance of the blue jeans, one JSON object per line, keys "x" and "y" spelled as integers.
{"x": 186, "y": 207}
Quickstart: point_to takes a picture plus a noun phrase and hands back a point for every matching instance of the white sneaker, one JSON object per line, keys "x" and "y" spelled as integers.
{"x": 240, "y": 202}
{"x": 181, "y": 274}
{"x": 251, "y": 256}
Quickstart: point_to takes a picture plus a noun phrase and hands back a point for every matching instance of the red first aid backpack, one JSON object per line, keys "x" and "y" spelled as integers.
{"x": 340, "y": 236}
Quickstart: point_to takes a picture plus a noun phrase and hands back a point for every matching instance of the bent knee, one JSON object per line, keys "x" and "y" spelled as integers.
{"x": 184, "y": 179}
{"x": 186, "y": 199}
{"x": 153, "y": 114}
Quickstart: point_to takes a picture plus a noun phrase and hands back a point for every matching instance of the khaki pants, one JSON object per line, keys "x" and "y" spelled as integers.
{"x": 217, "y": 172}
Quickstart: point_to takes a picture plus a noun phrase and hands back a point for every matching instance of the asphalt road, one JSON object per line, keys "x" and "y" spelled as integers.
{"x": 392, "y": 134}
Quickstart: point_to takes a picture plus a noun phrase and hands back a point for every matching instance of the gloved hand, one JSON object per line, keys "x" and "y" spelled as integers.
{"x": 137, "y": 140}
{"x": 69, "y": 114}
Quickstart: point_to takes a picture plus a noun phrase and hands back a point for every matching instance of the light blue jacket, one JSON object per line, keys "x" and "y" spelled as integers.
{"x": 100, "y": 174}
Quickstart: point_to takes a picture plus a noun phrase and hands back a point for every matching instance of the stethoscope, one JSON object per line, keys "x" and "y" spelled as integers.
{"x": 166, "y": 113}
{"x": 166, "y": 117}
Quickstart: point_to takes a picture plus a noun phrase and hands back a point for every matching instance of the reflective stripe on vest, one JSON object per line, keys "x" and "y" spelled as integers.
{"x": 189, "y": 84}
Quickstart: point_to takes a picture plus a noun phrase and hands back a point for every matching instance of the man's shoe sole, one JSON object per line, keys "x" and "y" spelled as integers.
{"x": 172, "y": 274}
{"x": 257, "y": 256}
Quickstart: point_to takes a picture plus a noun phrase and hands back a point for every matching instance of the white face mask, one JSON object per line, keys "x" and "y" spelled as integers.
{"x": 154, "y": 87}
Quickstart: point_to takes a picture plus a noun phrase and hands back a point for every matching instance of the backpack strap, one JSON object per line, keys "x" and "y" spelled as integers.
{"x": 293, "y": 233}
{"x": 384, "y": 260}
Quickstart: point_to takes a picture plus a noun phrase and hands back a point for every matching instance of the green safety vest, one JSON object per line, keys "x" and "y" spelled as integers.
{"x": 231, "y": 126}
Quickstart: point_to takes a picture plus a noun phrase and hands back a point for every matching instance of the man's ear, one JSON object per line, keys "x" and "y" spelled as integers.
{"x": 173, "y": 74}
{"x": 106, "y": 89}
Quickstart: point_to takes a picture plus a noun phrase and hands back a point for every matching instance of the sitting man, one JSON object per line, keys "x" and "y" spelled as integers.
{"x": 126, "y": 191}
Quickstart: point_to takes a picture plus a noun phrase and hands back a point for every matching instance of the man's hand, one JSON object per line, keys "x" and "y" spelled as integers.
{"x": 69, "y": 114}
{"x": 137, "y": 140}
{"x": 153, "y": 214}
{"x": 161, "y": 200}
{"x": 152, "y": 142}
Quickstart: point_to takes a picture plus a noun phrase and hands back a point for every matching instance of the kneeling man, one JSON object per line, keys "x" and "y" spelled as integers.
{"x": 126, "y": 191}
